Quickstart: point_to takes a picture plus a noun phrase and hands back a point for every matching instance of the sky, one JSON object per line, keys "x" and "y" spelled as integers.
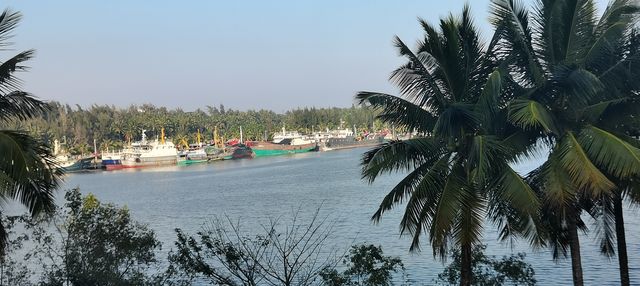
{"x": 244, "y": 54}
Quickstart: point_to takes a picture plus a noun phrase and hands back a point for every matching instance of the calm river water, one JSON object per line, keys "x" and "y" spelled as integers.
{"x": 254, "y": 190}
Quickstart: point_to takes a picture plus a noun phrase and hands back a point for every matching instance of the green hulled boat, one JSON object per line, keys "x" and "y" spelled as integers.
{"x": 263, "y": 149}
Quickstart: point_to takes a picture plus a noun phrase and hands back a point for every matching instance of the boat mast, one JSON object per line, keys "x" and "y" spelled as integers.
{"x": 162, "y": 136}
{"x": 198, "y": 138}
{"x": 240, "y": 134}
{"x": 95, "y": 150}
{"x": 215, "y": 136}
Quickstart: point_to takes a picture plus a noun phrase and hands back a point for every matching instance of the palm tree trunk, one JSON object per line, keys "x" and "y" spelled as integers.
{"x": 574, "y": 244}
{"x": 465, "y": 266}
{"x": 621, "y": 241}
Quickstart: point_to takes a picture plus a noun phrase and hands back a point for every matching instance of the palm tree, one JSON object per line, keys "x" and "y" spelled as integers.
{"x": 28, "y": 171}
{"x": 574, "y": 72}
{"x": 454, "y": 94}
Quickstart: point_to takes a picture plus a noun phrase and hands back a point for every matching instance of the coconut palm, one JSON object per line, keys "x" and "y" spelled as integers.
{"x": 28, "y": 171}
{"x": 454, "y": 95}
{"x": 575, "y": 73}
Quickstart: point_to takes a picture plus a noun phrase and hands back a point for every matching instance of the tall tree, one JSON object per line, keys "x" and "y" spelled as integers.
{"x": 454, "y": 94}
{"x": 28, "y": 171}
{"x": 575, "y": 73}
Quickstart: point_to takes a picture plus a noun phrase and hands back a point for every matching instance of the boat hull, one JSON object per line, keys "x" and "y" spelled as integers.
{"x": 107, "y": 162}
{"x": 142, "y": 162}
{"x": 350, "y": 142}
{"x": 191, "y": 162}
{"x": 113, "y": 167}
{"x": 269, "y": 149}
{"x": 80, "y": 165}
{"x": 240, "y": 152}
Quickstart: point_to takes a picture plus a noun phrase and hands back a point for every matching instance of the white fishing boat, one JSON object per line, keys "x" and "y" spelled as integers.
{"x": 150, "y": 153}
{"x": 291, "y": 137}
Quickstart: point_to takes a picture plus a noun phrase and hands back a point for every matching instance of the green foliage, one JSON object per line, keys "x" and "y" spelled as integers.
{"x": 109, "y": 125}
{"x": 489, "y": 271}
{"x": 576, "y": 83}
{"x": 455, "y": 93}
{"x": 28, "y": 171}
{"x": 365, "y": 265}
{"x": 86, "y": 243}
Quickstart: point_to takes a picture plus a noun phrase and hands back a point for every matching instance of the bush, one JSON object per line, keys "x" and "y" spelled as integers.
{"x": 87, "y": 243}
{"x": 365, "y": 265}
{"x": 490, "y": 271}
{"x": 221, "y": 254}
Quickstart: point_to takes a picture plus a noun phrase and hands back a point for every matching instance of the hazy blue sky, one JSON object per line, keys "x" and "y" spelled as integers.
{"x": 244, "y": 54}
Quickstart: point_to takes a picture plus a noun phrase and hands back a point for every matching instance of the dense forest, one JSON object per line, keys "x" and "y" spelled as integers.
{"x": 111, "y": 126}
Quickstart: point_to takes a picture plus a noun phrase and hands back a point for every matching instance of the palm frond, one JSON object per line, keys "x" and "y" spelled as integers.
{"x": 581, "y": 30}
{"x": 617, "y": 12}
{"x": 513, "y": 189}
{"x": 468, "y": 228}
{"x": 30, "y": 171}
{"x": 421, "y": 207}
{"x": 581, "y": 86}
{"x": 446, "y": 211}
{"x": 593, "y": 113}
{"x": 20, "y": 105}
{"x": 602, "y": 212}
{"x": 399, "y": 155}
{"x": 555, "y": 183}
{"x": 565, "y": 28}
{"x": 487, "y": 103}
{"x": 484, "y": 156}
{"x": 8, "y": 22}
{"x": 612, "y": 152}
{"x": 416, "y": 79}
{"x": 398, "y": 111}
{"x": 529, "y": 114}
{"x": 514, "y": 38}
{"x": 424, "y": 174}
{"x": 8, "y": 82}
{"x": 584, "y": 174}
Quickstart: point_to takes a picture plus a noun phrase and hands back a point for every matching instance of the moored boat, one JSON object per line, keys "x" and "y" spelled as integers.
{"x": 283, "y": 147}
{"x": 148, "y": 154}
{"x": 76, "y": 165}
{"x": 188, "y": 157}
{"x": 241, "y": 151}
{"x": 111, "y": 161}
{"x": 193, "y": 153}
{"x": 350, "y": 142}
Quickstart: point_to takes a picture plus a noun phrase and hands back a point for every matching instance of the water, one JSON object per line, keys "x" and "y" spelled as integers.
{"x": 254, "y": 190}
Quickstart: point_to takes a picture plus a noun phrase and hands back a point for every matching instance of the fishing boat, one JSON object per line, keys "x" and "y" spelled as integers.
{"x": 351, "y": 142}
{"x": 283, "y": 147}
{"x": 217, "y": 150}
{"x": 193, "y": 156}
{"x": 111, "y": 161}
{"x": 241, "y": 151}
{"x": 147, "y": 154}
{"x": 69, "y": 165}
{"x": 283, "y": 144}
{"x": 193, "y": 153}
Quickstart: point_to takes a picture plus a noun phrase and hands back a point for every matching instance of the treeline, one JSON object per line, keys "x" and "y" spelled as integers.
{"x": 110, "y": 126}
